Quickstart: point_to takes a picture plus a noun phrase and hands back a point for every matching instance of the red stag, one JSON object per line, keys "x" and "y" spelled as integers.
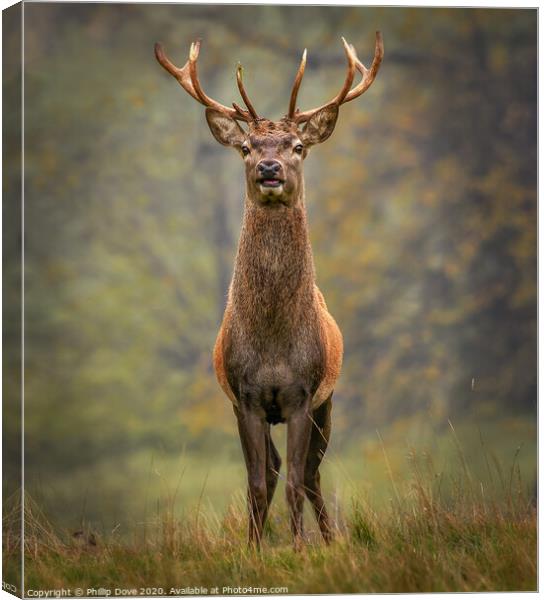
{"x": 279, "y": 351}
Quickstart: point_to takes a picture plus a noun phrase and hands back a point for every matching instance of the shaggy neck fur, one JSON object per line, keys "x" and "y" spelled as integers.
{"x": 273, "y": 284}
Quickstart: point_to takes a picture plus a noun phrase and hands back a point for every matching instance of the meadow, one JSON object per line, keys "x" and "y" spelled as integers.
{"x": 437, "y": 520}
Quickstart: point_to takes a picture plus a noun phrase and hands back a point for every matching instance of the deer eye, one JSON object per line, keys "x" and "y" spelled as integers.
{"x": 298, "y": 148}
{"x": 245, "y": 150}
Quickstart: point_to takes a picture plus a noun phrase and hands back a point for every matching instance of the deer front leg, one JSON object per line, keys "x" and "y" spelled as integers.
{"x": 252, "y": 429}
{"x": 299, "y": 429}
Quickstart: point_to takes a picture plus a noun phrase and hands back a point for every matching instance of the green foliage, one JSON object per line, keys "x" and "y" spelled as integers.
{"x": 360, "y": 527}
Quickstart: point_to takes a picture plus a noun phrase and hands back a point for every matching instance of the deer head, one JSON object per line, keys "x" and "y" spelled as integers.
{"x": 273, "y": 151}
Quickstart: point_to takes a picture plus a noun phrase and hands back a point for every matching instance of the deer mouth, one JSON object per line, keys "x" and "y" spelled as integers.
{"x": 270, "y": 182}
{"x": 271, "y": 187}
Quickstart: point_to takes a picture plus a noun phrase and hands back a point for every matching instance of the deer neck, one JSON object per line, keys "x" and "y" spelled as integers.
{"x": 273, "y": 282}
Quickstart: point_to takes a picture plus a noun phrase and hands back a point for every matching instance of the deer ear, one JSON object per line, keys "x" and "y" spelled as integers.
{"x": 224, "y": 128}
{"x": 320, "y": 126}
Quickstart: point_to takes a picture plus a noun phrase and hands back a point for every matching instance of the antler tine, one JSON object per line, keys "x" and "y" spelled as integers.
{"x": 296, "y": 86}
{"x": 188, "y": 79}
{"x": 368, "y": 74}
{"x": 243, "y": 93}
{"x": 182, "y": 75}
{"x": 202, "y": 97}
{"x": 346, "y": 94}
{"x": 339, "y": 98}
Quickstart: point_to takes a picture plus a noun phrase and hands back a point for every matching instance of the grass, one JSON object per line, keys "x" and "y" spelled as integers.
{"x": 437, "y": 531}
{"x": 125, "y": 489}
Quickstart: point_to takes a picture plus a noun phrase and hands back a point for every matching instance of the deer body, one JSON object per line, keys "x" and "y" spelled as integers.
{"x": 277, "y": 337}
{"x": 279, "y": 351}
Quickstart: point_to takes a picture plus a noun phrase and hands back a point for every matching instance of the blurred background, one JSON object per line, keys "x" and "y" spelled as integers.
{"x": 422, "y": 210}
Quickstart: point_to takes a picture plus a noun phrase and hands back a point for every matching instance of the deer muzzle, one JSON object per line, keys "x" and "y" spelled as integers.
{"x": 269, "y": 174}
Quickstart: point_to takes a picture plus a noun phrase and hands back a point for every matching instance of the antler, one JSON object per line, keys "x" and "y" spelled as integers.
{"x": 346, "y": 94}
{"x": 188, "y": 79}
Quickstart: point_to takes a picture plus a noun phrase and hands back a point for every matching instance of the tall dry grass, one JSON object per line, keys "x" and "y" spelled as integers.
{"x": 442, "y": 532}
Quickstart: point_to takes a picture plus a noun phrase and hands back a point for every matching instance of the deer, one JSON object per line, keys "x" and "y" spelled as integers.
{"x": 279, "y": 351}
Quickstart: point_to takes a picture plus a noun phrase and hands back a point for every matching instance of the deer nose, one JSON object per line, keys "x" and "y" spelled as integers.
{"x": 268, "y": 168}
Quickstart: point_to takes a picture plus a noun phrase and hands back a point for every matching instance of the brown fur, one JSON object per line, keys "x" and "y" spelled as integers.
{"x": 278, "y": 353}
{"x": 268, "y": 307}
{"x": 333, "y": 352}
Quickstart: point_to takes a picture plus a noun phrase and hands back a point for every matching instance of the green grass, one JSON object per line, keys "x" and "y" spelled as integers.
{"x": 434, "y": 530}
